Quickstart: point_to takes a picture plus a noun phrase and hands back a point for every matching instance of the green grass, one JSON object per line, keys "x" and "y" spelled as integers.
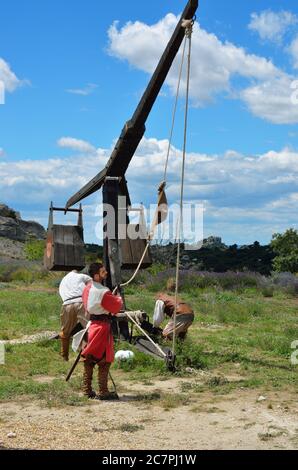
{"x": 127, "y": 427}
{"x": 240, "y": 333}
{"x": 26, "y": 312}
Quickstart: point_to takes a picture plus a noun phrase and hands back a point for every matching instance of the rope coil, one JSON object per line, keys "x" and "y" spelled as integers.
{"x": 188, "y": 25}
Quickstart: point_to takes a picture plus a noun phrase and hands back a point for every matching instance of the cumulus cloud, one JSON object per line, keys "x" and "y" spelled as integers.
{"x": 237, "y": 190}
{"x": 215, "y": 66}
{"x": 273, "y": 100}
{"x": 214, "y": 63}
{"x": 8, "y": 77}
{"x": 271, "y": 25}
{"x": 86, "y": 91}
{"x": 76, "y": 144}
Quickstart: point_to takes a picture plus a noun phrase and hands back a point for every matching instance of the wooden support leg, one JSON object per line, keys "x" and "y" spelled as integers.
{"x": 111, "y": 256}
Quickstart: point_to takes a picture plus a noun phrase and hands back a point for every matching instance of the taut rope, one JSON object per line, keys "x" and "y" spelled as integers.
{"x": 188, "y": 24}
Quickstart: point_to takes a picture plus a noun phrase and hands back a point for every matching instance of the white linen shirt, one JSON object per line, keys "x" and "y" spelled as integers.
{"x": 159, "y": 313}
{"x": 95, "y": 296}
{"x": 72, "y": 286}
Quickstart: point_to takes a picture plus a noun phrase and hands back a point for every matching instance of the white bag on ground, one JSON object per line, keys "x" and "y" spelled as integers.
{"x": 124, "y": 355}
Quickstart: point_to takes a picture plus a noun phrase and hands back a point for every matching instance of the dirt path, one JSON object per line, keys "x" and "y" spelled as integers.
{"x": 234, "y": 421}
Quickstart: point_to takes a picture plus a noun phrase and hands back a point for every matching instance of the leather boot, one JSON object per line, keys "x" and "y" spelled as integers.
{"x": 65, "y": 348}
{"x": 103, "y": 374}
{"x": 87, "y": 379}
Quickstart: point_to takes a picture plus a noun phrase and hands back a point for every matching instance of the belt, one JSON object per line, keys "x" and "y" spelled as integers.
{"x": 103, "y": 318}
{"x": 79, "y": 298}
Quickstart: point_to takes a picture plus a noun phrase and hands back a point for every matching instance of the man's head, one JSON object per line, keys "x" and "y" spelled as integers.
{"x": 98, "y": 272}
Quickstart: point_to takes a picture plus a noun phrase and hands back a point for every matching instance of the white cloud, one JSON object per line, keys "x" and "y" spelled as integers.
{"x": 76, "y": 144}
{"x": 272, "y": 100}
{"x": 213, "y": 62}
{"x": 293, "y": 50}
{"x": 87, "y": 90}
{"x": 237, "y": 190}
{"x": 214, "y": 66}
{"x": 8, "y": 77}
{"x": 272, "y": 26}
{"x": 2, "y": 153}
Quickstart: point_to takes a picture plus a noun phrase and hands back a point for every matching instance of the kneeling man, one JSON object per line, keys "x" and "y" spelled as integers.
{"x": 165, "y": 306}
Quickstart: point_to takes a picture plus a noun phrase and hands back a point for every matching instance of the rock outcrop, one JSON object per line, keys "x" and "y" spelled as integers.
{"x": 14, "y": 228}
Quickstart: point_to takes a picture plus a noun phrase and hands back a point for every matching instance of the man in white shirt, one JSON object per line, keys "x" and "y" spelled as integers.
{"x": 73, "y": 311}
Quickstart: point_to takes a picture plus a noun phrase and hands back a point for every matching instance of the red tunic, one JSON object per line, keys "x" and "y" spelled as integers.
{"x": 100, "y": 338}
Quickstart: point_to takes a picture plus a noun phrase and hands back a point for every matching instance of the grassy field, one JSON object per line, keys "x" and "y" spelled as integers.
{"x": 242, "y": 335}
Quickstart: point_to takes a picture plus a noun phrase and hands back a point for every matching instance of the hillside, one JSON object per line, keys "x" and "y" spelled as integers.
{"x": 213, "y": 256}
{"x": 14, "y": 232}
{"x": 13, "y": 227}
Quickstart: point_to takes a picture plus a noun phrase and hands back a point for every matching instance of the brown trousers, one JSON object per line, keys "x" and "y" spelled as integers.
{"x": 70, "y": 316}
{"x": 183, "y": 322}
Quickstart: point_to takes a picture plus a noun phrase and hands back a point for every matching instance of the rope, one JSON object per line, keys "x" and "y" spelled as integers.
{"x": 137, "y": 270}
{"x": 147, "y": 336}
{"x": 188, "y": 24}
{"x": 174, "y": 111}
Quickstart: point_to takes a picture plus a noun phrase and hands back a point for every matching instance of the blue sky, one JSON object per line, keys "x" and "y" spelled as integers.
{"x": 73, "y": 77}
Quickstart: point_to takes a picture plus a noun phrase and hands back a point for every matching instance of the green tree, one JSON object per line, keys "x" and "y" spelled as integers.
{"x": 286, "y": 248}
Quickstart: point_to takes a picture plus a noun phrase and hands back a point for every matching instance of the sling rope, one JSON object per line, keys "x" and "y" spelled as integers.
{"x": 174, "y": 112}
{"x": 188, "y": 34}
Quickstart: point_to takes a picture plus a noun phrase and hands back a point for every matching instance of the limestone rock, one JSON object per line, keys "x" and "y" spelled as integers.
{"x": 14, "y": 228}
{"x": 6, "y": 211}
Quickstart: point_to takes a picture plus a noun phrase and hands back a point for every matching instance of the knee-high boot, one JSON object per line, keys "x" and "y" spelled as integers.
{"x": 65, "y": 347}
{"x": 103, "y": 374}
{"x": 87, "y": 379}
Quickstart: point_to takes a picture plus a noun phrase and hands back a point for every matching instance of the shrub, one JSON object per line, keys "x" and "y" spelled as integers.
{"x": 24, "y": 275}
{"x": 171, "y": 284}
{"x": 5, "y": 273}
{"x": 190, "y": 354}
{"x": 287, "y": 282}
{"x": 34, "y": 249}
{"x": 268, "y": 291}
{"x": 190, "y": 279}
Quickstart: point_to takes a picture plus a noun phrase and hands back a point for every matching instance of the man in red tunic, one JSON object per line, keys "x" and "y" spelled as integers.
{"x": 100, "y": 304}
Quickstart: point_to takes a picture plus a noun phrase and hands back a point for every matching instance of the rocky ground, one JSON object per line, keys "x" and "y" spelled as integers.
{"x": 11, "y": 250}
{"x": 242, "y": 420}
